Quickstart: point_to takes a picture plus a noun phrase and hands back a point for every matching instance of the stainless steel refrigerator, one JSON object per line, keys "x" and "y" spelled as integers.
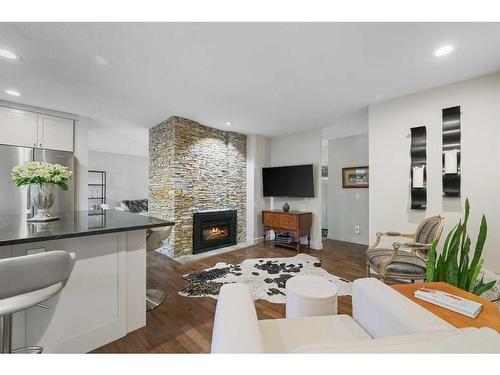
{"x": 16, "y": 200}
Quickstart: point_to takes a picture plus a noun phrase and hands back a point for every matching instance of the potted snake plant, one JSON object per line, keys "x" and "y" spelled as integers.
{"x": 454, "y": 264}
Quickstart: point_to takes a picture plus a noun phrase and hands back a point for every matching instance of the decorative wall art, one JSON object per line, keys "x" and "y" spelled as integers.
{"x": 418, "y": 168}
{"x": 451, "y": 151}
{"x": 355, "y": 177}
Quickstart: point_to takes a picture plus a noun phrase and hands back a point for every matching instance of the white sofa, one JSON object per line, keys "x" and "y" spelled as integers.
{"x": 383, "y": 321}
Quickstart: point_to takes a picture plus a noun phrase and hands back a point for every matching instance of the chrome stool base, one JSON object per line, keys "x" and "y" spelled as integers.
{"x": 28, "y": 350}
{"x": 154, "y": 298}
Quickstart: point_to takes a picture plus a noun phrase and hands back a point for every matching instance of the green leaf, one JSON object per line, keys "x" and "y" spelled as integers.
{"x": 451, "y": 269}
{"x": 446, "y": 242}
{"x": 431, "y": 262}
{"x": 441, "y": 266}
{"x": 475, "y": 274}
{"x": 462, "y": 277}
{"x": 464, "y": 263}
{"x": 453, "y": 272}
{"x": 481, "y": 239}
{"x": 482, "y": 288}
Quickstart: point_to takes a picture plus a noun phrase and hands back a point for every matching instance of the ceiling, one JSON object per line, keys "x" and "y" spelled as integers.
{"x": 265, "y": 78}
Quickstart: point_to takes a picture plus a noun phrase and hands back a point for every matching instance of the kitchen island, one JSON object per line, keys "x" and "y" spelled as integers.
{"x": 104, "y": 298}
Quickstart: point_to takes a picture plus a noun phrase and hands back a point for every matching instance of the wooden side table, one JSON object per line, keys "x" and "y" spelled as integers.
{"x": 488, "y": 317}
{"x": 298, "y": 223}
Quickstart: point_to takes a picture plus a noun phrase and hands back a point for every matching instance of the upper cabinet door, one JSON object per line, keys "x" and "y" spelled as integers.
{"x": 55, "y": 133}
{"x": 17, "y": 127}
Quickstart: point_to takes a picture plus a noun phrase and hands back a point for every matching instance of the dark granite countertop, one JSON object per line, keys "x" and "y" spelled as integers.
{"x": 14, "y": 229}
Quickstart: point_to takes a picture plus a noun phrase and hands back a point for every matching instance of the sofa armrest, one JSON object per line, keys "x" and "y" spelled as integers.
{"x": 236, "y": 328}
{"x": 382, "y": 311}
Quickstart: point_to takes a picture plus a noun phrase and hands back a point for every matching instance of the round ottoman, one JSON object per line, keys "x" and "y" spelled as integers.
{"x": 310, "y": 296}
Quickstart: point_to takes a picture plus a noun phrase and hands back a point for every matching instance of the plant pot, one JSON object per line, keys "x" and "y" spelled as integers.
{"x": 42, "y": 198}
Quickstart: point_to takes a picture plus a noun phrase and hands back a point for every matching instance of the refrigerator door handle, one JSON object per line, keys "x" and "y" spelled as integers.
{"x": 28, "y": 200}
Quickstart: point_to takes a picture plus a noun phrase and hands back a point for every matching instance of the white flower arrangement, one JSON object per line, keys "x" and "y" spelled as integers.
{"x": 41, "y": 173}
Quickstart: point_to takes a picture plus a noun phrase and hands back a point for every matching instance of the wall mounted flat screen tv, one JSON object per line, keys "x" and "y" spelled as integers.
{"x": 291, "y": 181}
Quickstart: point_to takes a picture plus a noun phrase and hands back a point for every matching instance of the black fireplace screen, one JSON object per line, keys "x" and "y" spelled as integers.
{"x": 213, "y": 230}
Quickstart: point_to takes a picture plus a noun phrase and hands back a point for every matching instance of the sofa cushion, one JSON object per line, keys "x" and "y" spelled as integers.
{"x": 285, "y": 335}
{"x": 465, "y": 340}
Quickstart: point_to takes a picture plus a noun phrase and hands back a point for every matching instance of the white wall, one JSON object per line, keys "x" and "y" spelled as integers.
{"x": 127, "y": 175}
{"x": 347, "y": 207}
{"x": 118, "y": 138}
{"x": 258, "y": 156}
{"x": 81, "y": 153}
{"x": 389, "y": 139}
{"x": 295, "y": 149}
{"x": 352, "y": 124}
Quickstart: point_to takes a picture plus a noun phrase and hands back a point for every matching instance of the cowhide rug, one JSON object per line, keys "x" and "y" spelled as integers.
{"x": 265, "y": 277}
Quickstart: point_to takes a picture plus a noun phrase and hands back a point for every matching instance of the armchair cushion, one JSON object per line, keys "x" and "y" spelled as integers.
{"x": 404, "y": 264}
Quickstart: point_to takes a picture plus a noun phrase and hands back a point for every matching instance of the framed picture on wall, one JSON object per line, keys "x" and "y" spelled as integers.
{"x": 355, "y": 177}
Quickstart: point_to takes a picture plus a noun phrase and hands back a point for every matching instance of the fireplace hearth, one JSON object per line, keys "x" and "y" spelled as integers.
{"x": 213, "y": 230}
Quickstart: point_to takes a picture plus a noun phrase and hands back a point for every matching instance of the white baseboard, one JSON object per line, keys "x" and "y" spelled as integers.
{"x": 355, "y": 240}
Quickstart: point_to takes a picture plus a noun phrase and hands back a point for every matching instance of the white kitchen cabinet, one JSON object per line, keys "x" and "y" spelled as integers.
{"x": 18, "y": 128}
{"x": 25, "y": 128}
{"x": 55, "y": 133}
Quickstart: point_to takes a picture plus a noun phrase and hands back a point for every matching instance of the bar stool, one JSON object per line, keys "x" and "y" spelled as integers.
{"x": 27, "y": 281}
{"x": 154, "y": 240}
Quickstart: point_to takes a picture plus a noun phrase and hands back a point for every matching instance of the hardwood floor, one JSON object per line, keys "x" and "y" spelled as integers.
{"x": 184, "y": 325}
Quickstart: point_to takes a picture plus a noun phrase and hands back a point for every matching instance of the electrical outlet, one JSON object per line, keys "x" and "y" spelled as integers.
{"x": 356, "y": 229}
{"x": 356, "y": 196}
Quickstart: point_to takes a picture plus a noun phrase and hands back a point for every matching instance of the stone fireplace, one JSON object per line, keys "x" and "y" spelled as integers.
{"x": 194, "y": 169}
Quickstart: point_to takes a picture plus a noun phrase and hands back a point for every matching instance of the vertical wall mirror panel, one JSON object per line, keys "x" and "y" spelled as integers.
{"x": 451, "y": 151}
{"x": 418, "y": 173}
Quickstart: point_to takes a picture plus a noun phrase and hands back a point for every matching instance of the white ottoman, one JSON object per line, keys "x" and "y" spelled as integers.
{"x": 310, "y": 296}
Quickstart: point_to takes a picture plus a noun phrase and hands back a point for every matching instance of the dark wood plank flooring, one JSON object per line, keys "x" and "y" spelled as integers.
{"x": 184, "y": 325}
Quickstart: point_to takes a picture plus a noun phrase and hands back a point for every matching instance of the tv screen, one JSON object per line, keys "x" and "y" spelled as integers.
{"x": 292, "y": 181}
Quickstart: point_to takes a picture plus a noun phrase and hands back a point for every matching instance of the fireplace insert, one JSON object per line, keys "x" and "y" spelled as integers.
{"x": 213, "y": 230}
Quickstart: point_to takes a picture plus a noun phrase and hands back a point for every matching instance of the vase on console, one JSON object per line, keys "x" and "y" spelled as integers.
{"x": 286, "y": 207}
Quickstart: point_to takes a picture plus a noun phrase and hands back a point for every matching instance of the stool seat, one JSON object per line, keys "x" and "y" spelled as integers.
{"x": 25, "y": 301}
{"x": 310, "y": 296}
{"x": 27, "y": 281}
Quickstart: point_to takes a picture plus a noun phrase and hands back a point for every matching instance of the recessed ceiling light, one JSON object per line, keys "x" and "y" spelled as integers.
{"x": 13, "y": 92}
{"x": 101, "y": 60}
{"x": 228, "y": 123}
{"x": 444, "y": 50}
{"x": 8, "y": 54}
